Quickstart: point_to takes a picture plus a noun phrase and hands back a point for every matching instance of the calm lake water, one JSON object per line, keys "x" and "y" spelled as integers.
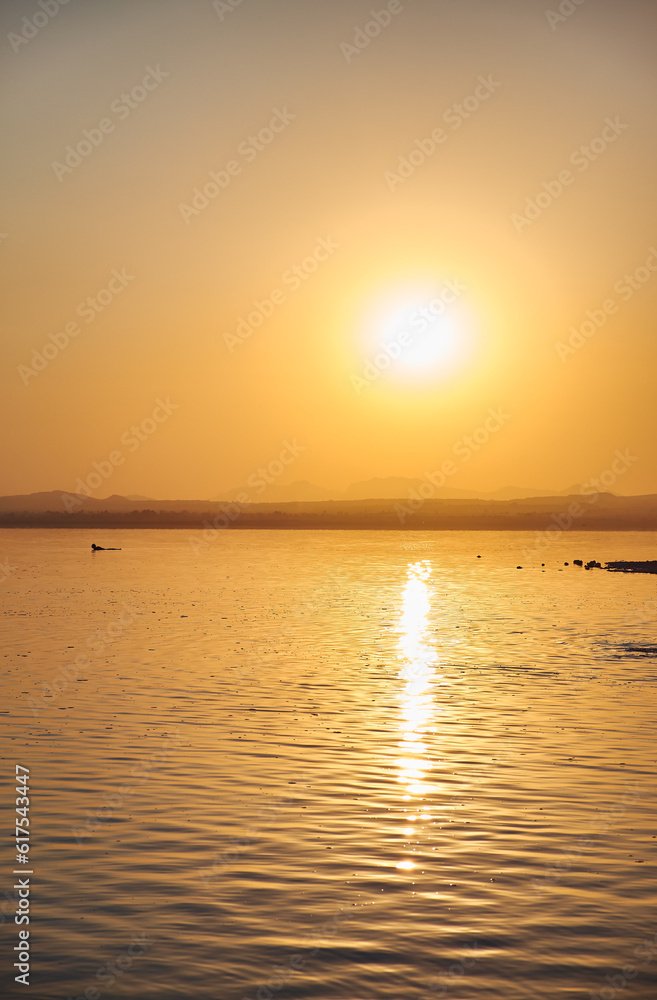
{"x": 345, "y": 765}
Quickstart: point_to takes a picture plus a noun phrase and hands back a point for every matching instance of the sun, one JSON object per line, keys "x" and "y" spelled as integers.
{"x": 417, "y": 334}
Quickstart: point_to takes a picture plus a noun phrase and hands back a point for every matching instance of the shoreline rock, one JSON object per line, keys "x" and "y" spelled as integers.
{"x": 622, "y": 566}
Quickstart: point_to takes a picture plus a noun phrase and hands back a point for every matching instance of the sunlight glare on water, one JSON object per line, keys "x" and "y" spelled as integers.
{"x": 417, "y": 675}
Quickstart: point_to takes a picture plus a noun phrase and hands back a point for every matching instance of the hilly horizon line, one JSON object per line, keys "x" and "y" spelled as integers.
{"x": 387, "y": 488}
{"x": 376, "y": 489}
{"x": 303, "y": 491}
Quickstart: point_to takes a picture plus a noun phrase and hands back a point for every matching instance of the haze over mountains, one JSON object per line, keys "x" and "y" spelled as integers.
{"x": 418, "y": 510}
{"x": 392, "y": 488}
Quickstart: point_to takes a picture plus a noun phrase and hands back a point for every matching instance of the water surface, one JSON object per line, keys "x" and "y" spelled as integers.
{"x": 338, "y": 765}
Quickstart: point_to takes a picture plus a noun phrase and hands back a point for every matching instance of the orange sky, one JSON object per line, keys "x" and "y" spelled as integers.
{"x": 294, "y": 221}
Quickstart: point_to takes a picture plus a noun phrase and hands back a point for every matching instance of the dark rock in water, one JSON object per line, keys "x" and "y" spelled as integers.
{"x": 478, "y": 557}
{"x": 565, "y": 564}
{"x": 518, "y": 567}
{"x": 649, "y": 566}
{"x": 577, "y": 562}
{"x": 593, "y": 565}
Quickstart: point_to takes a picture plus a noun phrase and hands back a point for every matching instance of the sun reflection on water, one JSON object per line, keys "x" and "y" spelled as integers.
{"x": 417, "y": 673}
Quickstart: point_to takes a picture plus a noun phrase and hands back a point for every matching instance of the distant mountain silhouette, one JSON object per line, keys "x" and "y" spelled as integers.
{"x": 391, "y": 488}
{"x": 599, "y": 512}
{"x": 301, "y": 491}
{"x": 396, "y": 487}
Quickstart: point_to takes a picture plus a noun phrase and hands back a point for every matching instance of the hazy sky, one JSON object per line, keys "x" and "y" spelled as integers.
{"x": 416, "y": 216}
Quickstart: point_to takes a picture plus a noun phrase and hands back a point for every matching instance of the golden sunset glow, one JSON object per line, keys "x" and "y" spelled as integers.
{"x": 244, "y": 219}
{"x": 328, "y": 500}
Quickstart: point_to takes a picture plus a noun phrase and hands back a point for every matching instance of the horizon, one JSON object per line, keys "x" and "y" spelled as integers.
{"x": 489, "y": 495}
